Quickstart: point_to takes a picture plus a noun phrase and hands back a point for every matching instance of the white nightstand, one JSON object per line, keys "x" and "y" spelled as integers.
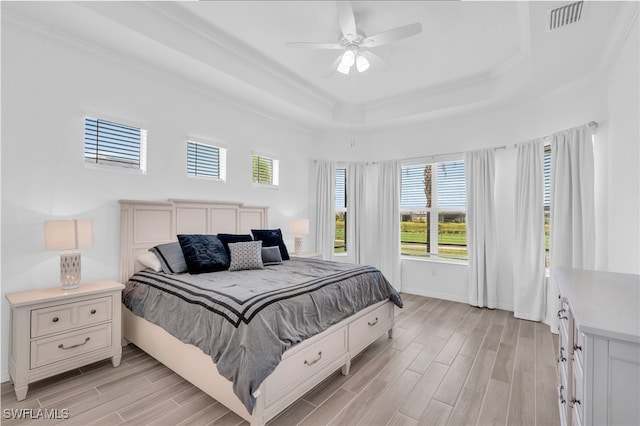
{"x": 55, "y": 330}
{"x": 305, "y": 255}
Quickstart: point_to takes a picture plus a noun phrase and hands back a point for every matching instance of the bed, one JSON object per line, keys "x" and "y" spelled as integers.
{"x": 305, "y": 357}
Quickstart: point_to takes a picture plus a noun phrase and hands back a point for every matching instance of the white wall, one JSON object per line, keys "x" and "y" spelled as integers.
{"x": 623, "y": 151}
{"x": 46, "y": 89}
{"x": 494, "y": 127}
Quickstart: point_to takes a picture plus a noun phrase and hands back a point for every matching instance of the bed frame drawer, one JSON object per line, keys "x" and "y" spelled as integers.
{"x": 362, "y": 330}
{"x": 298, "y": 367}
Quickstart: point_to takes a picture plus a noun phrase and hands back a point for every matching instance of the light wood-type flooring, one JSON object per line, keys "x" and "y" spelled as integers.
{"x": 447, "y": 363}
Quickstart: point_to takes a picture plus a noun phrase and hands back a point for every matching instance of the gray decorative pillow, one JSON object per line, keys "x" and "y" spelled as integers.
{"x": 271, "y": 255}
{"x": 246, "y": 255}
{"x": 171, "y": 258}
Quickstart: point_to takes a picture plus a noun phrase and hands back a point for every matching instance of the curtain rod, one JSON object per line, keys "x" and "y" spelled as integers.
{"x": 592, "y": 124}
{"x": 446, "y": 155}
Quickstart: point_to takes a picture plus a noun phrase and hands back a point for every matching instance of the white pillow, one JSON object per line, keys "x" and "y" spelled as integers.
{"x": 150, "y": 260}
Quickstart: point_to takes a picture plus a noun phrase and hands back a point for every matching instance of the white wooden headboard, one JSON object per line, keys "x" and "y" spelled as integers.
{"x": 145, "y": 224}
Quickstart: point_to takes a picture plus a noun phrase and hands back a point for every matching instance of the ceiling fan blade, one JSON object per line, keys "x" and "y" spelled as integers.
{"x": 346, "y": 19}
{"x": 314, "y": 45}
{"x": 392, "y": 35}
{"x": 376, "y": 61}
{"x": 333, "y": 68}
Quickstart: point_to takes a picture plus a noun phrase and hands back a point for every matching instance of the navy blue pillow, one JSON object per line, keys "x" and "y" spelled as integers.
{"x": 233, "y": 238}
{"x": 203, "y": 253}
{"x": 271, "y": 238}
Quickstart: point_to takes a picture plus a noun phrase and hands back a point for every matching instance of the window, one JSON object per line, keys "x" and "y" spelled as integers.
{"x": 114, "y": 144}
{"x": 265, "y": 170}
{"x": 207, "y": 161}
{"x": 433, "y": 226}
{"x": 340, "y": 243}
{"x": 547, "y": 201}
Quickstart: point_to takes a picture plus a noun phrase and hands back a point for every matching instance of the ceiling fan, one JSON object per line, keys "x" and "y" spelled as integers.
{"x": 356, "y": 43}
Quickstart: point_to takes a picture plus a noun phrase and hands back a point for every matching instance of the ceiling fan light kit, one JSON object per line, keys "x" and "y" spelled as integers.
{"x": 355, "y": 42}
{"x": 362, "y": 64}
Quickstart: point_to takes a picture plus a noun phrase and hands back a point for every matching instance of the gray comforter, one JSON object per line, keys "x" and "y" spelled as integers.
{"x": 246, "y": 320}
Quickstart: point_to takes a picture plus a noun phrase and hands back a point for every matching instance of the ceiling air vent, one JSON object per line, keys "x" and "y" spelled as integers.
{"x": 564, "y": 15}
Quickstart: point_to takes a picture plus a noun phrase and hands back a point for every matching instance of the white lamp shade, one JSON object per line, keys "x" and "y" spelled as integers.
{"x": 362, "y": 64}
{"x": 67, "y": 234}
{"x": 300, "y": 226}
{"x": 348, "y": 58}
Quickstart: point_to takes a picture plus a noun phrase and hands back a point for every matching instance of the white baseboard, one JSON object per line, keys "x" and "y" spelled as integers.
{"x": 4, "y": 376}
{"x": 434, "y": 294}
{"x": 447, "y": 296}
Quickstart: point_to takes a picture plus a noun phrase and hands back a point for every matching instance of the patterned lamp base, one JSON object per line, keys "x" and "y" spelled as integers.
{"x": 70, "y": 270}
{"x": 298, "y": 246}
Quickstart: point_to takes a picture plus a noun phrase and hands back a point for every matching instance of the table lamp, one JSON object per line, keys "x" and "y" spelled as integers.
{"x": 299, "y": 227}
{"x": 68, "y": 235}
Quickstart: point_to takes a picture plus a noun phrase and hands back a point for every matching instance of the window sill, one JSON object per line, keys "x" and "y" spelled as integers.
{"x": 119, "y": 169}
{"x": 207, "y": 178}
{"x": 432, "y": 260}
{"x": 264, "y": 185}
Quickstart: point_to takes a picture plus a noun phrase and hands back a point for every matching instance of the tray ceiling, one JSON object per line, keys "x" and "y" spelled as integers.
{"x": 469, "y": 54}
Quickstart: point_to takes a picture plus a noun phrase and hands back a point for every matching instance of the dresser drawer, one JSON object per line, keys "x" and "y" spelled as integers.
{"x": 61, "y": 318}
{"x": 374, "y": 322}
{"x": 301, "y": 365}
{"x": 57, "y": 348}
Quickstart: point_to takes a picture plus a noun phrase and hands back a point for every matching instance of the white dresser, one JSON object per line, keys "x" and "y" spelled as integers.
{"x": 53, "y": 330}
{"x": 599, "y": 348}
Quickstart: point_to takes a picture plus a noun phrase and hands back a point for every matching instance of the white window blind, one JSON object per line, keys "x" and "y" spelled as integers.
{"x": 114, "y": 144}
{"x": 205, "y": 160}
{"x": 451, "y": 186}
{"x": 413, "y": 195}
{"x": 547, "y": 175}
{"x": 266, "y": 170}
{"x": 341, "y": 195}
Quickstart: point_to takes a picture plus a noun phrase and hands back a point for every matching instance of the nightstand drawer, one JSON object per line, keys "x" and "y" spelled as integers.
{"x": 58, "y": 348}
{"x": 61, "y": 318}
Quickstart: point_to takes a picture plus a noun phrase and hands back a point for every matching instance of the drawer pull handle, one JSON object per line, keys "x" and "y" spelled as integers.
{"x": 560, "y": 312}
{"x": 562, "y": 400}
{"x": 61, "y": 346}
{"x": 577, "y": 348}
{"x": 575, "y": 401}
{"x": 310, "y": 363}
{"x": 562, "y": 357}
{"x": 371, "y": 324}
{"x": 55, "y": 319}
{"x": 93, "y": 311}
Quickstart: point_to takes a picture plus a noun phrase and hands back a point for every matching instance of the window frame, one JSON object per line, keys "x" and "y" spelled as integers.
{"x": 434, "y": 211}
{"x": 141, "y": 169}
{"x": 275, "y": 170}
{"x": 342, "y": 210}
{"x": 222, "y": 160}
{"x": 547, "y": 207}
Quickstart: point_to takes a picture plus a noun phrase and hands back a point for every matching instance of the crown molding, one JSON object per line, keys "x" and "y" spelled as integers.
{"x": 63, "y": 39}
{"x": 627, "y": 17}
{"x": 175, "y": 15}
